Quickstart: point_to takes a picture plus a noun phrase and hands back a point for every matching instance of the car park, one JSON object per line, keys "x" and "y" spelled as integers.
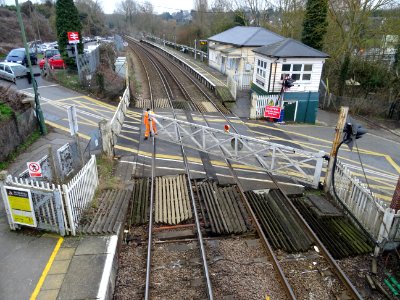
{"x": 19, "y": 56}
{"x": 11, "y": 71}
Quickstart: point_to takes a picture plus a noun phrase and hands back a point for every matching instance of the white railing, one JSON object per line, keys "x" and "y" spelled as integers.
{"x": 374, "y": 215}
{"x": 119, "y": 115}
{"x": 243, "y": 81}
{"x": 262, "y": 101}
{"x": 304, "y": 166}
{"x": 79, "y": 192}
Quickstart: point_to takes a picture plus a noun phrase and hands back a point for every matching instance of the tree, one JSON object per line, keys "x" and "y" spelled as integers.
{"x": 315, "y": 23}
{"x": 67, "y": 19}
{"x": 92, "y": 17}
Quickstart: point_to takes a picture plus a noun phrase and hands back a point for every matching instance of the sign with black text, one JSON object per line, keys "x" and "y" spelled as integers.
{"x": 20, "y": 206}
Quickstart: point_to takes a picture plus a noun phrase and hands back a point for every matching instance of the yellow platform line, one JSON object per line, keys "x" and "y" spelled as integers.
{"x": 46, "y": 269}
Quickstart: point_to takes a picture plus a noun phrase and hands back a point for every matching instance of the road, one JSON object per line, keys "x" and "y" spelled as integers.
{"x": 377, "y": 154}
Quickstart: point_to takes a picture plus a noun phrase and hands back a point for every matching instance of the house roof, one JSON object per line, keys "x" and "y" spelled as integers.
{"x": 247, "y": 36}
{"x": 289, "y": 48}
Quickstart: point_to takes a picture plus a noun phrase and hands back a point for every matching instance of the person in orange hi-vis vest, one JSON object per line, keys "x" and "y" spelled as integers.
{"x": 149, "y": 127}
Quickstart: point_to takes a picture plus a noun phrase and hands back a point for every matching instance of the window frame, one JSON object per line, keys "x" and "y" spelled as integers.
{"x": 300, "y": 73}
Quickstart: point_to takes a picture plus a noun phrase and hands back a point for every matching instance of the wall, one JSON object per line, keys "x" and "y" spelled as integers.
{"x": 15, "y": 131}
{"x": 307, "y": 107}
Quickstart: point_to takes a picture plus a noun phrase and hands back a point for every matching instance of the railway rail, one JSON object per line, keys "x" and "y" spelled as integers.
{"x": 176, "y": 90}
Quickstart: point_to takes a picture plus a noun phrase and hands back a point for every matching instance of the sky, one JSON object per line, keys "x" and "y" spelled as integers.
{"x": 160, "y": 6}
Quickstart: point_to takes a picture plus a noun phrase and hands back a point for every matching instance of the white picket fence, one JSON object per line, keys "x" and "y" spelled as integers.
{"x": 59, "y": 209}
{"x": 262, "y": 101}
{"x": 79, "y": 192}
{"x": 381, "y": 222}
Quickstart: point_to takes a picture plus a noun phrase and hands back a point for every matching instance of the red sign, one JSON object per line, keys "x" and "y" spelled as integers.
{"x": 73, "y": 37}
{"x": 34, "y": 169}
{"x": 273, "y": 112}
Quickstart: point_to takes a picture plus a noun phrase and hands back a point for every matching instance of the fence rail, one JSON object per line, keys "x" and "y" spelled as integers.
{"x": 381, "y": 222}
{"x": 79, "y": 192}
{"x": 262, "y": 101}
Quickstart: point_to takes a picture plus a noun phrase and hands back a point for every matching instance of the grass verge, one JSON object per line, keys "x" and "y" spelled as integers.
{"x": 21, "y": 148}
{"x": 5, "y": 112}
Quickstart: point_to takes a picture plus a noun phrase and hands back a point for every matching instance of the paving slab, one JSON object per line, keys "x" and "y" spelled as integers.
{"x": 83, "y": 278}
{"x": 92, "y": 245}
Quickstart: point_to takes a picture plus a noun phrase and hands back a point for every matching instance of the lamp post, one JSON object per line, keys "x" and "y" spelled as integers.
{"x": 39, "y": 113}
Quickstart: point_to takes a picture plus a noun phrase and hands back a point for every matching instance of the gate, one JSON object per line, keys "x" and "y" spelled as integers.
{"x": 47, "y": 204}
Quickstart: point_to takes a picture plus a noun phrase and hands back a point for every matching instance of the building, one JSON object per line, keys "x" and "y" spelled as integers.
{"x": 230, "y": 52}
{"x": 288, "y": 58}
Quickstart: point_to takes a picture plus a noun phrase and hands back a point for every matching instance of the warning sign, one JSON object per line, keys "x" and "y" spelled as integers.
{"x": 20, "y": 206}
{"x": 34, "y": 169}
{"x": 272, "y": 112}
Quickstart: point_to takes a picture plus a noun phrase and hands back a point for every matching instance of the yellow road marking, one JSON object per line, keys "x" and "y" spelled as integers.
{"x": 97, "y": 111}
{"x": 86, "y": 122}
{"x": 46, "y": 269}
{"x": 82, "y": 135}
{"x": 114, "y": 107}
{"x": 128, "y": 138}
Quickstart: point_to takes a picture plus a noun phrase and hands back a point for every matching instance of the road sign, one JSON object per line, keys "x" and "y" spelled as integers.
{"x": 273, "y": 112}
{"x": 34, "y": 169}
{"x": 72, "y": 120}
{"x": 73, "y": 37}
{"x": 20, "y": 205}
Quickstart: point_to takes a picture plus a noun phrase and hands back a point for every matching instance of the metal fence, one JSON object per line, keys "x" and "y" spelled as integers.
{"x": 88, "y": 63}
{"x": 381, "y": 222}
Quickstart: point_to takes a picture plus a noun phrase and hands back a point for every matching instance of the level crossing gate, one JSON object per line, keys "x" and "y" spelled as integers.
{"x": 295, "y": 163}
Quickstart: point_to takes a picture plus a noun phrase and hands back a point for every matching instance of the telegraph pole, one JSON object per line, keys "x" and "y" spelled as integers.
{"x": 336, "y": 141}
{"x": 39, "y": 113}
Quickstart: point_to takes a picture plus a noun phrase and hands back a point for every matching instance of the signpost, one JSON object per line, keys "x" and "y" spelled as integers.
{"x": 34, "y": 169}
{"x": 73, "y": 38}
{"x": 20, "y": 205}
{"x": 72, "y": 120}
{"x": 273, "y": 112}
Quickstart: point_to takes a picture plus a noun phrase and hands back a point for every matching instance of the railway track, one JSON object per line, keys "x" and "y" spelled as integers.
{"x": 225, "y": 210}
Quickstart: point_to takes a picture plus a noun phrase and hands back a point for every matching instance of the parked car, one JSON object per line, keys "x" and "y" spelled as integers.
{"x": 19, "y": 56}
{"x": 11, "y": 71}
{"x": 55, "y": 62}
{"x": 50, "y": 53}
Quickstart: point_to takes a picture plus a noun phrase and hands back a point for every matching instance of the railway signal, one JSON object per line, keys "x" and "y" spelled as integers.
{"x": 352, "y": 131}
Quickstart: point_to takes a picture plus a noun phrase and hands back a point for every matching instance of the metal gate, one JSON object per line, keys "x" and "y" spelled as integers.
{"x": 46, "y": 200}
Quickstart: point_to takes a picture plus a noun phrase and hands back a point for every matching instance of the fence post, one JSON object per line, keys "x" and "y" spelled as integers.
{"x": 386, "y": 226}
{"x": 78, "y": 145}
{"x": 105, "y": 132}
{"x": 253, "y": 107}
{"x": 339, "y": 131}
{"x": 3, "y": 178}
{"x": 59, "y": 211}
{"x": 318, "y": 168}
{"x": 69, "y": 210}
{"x": 54, "y": 171}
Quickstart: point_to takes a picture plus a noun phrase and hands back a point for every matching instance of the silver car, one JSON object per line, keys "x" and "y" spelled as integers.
{"x": 11, "y": 71}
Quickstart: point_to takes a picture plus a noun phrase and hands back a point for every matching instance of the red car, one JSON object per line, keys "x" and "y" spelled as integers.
{"x": 55, "y": 62}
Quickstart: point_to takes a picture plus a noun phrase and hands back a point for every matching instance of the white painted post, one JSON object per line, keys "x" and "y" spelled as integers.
{"x": 3, "y": 178}
{"x": 318, "y": 168}
{"x": 69, "y": 210}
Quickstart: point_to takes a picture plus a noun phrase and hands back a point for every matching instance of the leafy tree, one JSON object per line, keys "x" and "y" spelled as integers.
{"x": 315, "y": 24}
{"x": 67, "y": 19}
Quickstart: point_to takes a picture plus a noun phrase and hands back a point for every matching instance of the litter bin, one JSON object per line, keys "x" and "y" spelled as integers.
{"x": 282, "y": 116}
